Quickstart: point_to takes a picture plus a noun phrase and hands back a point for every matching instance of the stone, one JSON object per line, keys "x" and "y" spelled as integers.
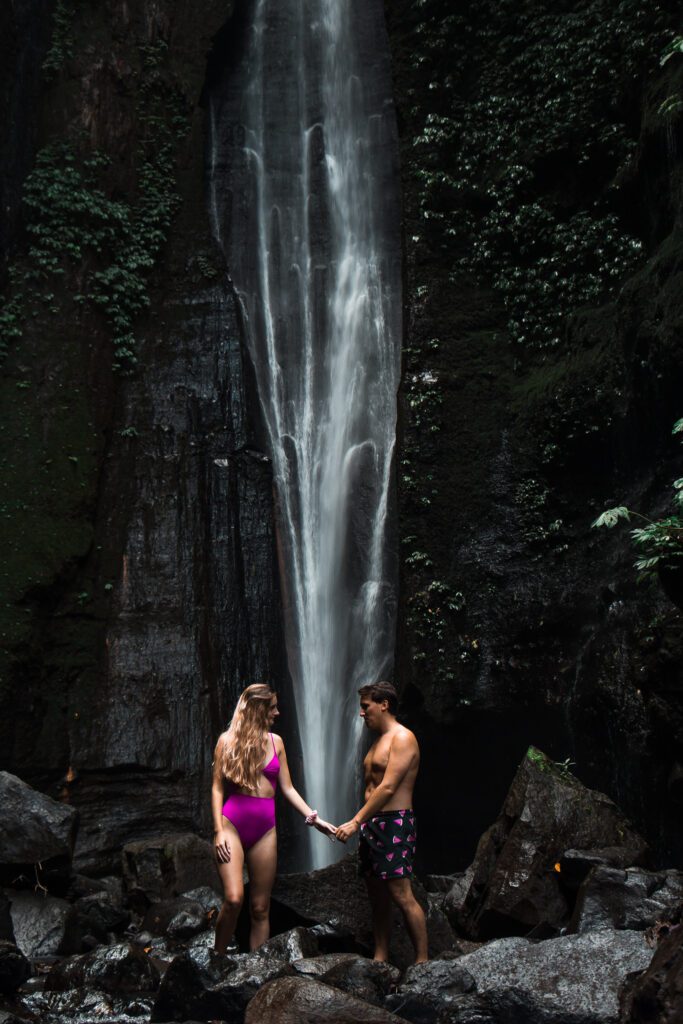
{"x": 34, "y": 828}
{"x": 516, "y": 884}
{"x": 179, "y": 918}
{"x": 573, "y": 979}
{"x": 100, "y": 915}
{"x": 631, "y": 898}
{"x": 306, "y": 1001}
{"x": 44, "y": 925}
{"x": 318, "y": 966}
{"x": 204, "y": 985}
{"x": 14, "y": 967}
{"x": 656, "y": 995}
{"x": 439, "y": 883}
{"x": 455, "y": 897}
{"x": 296, "y": 944}
{"x": 363, "y": 978}
{"x": 209, "y": 898}
{"x": 87, "y": 1006}
{"x": 112, "y": 969}
{"x": 157, "y": 869}
{"x": 337, "y": 896}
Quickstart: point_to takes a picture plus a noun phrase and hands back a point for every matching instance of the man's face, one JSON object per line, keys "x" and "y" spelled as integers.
{"x": 371, "y": 712}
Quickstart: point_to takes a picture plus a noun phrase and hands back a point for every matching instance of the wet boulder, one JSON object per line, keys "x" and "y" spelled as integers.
{"x": 112, "y": 969}
{"x": 179, "y": 918}
{"x": 337, "y": 896}
{"x": 203, "y": 985}
{"x": 569, "y": 980}
{"x": 86, "y": 1006}
{"x": 517, "y": 870}
{"x": 44, "y": 925}
{"x": 209, "y": 898}
{"x": 14, "y": 967}
{"x": 306, "y": 1001}
{"x": 363, "y": 978}
{"x": 100, "y": 915}
{"x": 656, "y": 995}
{"x": 35, "y": 828}
{"x": 631, "y": 898}
{"x": 318, "y": 966}
{"x": 296, "y": 944}
{"x": 157, "y": 869}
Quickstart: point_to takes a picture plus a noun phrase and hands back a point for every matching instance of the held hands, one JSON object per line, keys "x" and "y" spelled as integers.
{"x": 346, "y": 830}
{"x": 322, "y": 826}
{"x": 222, "y": 846}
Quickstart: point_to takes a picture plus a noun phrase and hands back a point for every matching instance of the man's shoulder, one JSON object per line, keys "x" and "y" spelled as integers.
{"x": 404, "y": 736}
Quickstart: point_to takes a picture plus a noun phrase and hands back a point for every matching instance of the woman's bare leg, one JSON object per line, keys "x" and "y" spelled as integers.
{"x": 233, "y": 890}
{"x": 261, "y": 864}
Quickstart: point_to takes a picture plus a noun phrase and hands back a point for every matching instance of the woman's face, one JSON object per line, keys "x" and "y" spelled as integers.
{"x": 273, "y": 712}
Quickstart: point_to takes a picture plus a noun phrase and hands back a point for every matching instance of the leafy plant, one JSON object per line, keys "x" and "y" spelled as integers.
{"x": 660, "y": 541}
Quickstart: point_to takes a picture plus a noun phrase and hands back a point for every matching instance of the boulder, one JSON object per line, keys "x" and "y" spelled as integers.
{"x": 14, "y": 967}
{"x": 44, "y": 925}
{"x": 454, "y": 898}
{"x": 100, "y": 915}
{"x": 296, "y": 944}
{"x": 337, "y": 896}
{"x": 318, "y": 966}
{"x": 656, "y": 995}
{"x": 208, "y": 898}
{"x": 306, "y": 1001}
{"x": 517, "y": 870}
{"x": 574, "y": 979}
{"x": 112, "y": 969}
{"x": 35, "y": 829}
{"x": 631, "y": 898}
{"x": 157, "y": 869}
{"x": 363, "y": 978}
{"x": 86, "y": 1006}
{"x": 203, "y": 985}
{"x": 179, "y": 918}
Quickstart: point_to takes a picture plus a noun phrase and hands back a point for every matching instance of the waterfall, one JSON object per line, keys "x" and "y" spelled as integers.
{"x": 303, "y": 198}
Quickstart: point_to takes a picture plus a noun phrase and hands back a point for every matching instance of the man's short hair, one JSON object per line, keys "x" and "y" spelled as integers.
{"x": 379, "y": 692}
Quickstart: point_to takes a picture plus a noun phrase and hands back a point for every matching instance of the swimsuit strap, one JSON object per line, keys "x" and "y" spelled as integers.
{"x": 273, "y": 742}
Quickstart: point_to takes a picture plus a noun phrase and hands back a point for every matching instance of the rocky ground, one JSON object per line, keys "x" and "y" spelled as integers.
{"x": 557, "y": 921}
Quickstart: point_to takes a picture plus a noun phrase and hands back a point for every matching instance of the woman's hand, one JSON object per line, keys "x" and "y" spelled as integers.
{"x": 221, "y": 845}
{"x": 327, "y": 830}
{"x": 346, "y": 830}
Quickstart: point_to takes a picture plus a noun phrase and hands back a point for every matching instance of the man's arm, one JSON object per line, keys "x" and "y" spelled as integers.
{"x": 401, "y": 756}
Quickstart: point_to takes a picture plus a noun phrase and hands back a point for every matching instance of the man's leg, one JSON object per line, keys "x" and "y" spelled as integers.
{"x": 401, "y": 892}
{"x": 382, "y": 906}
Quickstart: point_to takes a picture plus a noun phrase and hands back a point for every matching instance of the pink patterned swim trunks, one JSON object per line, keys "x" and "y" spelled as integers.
{"x": 387, "y": 845}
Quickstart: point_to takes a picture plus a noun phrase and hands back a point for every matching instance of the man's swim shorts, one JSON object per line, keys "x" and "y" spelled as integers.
{"x": 387, "y": 845}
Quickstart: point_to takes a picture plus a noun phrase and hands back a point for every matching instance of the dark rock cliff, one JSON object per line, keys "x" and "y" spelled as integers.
{"x": 541, "y": 152}
{"x": 140, "y": 583}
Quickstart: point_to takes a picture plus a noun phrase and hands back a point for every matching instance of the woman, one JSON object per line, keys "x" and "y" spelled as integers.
{"x": 252, "y": 760}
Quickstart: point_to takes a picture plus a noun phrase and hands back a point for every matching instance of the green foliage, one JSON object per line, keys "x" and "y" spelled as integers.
{"x": 61, "y": 47}
{"x": 520, "y": 143}
{"x": 77, "y": 229}
{"x": 659, "y": 542}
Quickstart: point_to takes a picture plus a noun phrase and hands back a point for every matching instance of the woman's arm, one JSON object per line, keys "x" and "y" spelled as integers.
{"x": 220, "y": 835}
{"x": 293, "y": 797}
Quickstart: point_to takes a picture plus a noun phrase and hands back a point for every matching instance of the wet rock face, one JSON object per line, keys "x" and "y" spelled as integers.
{"x": 44, "y": 925}
{"x": 112, "y": 969}
{"x": 156, "y": 869}
{"x": 35, "y": 828}
{"x": 656, "y": 996}
{"x": 517, "y": 871}
{"x": 159, "y": 598}
{"x": 633, "y": 898}
{"x": 570, "y": 980}
{"x": 204, "y": 985}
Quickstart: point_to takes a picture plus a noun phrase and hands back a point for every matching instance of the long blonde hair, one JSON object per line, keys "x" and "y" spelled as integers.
{"x": 241, "y": 751}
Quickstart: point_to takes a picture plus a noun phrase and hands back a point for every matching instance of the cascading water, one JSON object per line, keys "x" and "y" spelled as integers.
{"x": 303, "y": 195}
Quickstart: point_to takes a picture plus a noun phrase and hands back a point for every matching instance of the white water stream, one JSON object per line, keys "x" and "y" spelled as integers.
{"x": 303, "y": 195}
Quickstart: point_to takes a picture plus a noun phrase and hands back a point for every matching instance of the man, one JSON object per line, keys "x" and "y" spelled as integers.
{"x": 386, "y": 820}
